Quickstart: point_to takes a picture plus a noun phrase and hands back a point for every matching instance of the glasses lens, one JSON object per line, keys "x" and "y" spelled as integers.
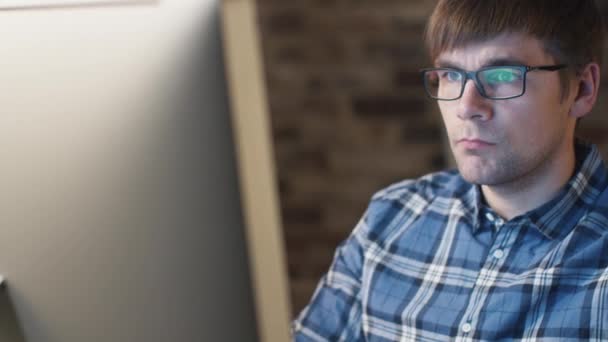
{"x": 502, "y": 82}
{"x": 443, "y": 84}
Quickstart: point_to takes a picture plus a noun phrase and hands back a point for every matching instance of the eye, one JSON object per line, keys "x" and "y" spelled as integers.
{"x": 451, "y": 76}
{"x": 501, "y": 76}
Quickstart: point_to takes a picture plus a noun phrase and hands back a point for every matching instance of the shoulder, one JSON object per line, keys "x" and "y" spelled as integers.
{"x": 408, "y": 199}
{"x": 597, "y": 215}
{"x": 444, "y": 184}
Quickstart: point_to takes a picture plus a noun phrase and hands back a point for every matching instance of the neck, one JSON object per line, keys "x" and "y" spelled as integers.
{"x": 532, "y": 189}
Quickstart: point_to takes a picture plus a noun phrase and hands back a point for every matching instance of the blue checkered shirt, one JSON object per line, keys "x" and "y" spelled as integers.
{"x": 430, "y": 262}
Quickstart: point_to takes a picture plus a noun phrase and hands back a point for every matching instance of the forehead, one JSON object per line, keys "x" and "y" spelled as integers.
{"x": 504, "y": 49}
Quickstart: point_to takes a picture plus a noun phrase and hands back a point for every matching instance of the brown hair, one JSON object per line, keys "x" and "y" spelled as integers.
{"x": 571, "y": 30}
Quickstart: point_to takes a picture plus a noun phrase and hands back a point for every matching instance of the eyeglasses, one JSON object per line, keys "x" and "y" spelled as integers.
{"x": 495, "y": 82}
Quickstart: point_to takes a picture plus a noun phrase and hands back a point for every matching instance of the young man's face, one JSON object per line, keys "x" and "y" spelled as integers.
{"x": 497, "y": 142}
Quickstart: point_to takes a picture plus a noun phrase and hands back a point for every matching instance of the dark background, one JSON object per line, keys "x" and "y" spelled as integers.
{"x": 350, "y": 117}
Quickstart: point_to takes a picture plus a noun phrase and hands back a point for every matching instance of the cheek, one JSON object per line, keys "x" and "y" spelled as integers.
{"x": 448, "y": 116}
{"x": 524, "y": 125}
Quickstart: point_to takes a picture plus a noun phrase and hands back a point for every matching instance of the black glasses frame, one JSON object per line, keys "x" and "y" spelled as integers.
{"x": 473, "y": 75}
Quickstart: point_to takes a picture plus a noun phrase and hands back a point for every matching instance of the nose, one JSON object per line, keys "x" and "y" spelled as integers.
{"x": 473, "y": 106}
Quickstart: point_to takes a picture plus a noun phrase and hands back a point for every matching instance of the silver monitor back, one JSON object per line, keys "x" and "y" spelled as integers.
{"x": 120, "y": 210}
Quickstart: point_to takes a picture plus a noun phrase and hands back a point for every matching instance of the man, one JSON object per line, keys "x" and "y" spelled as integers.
{"x": 513, "y": 245}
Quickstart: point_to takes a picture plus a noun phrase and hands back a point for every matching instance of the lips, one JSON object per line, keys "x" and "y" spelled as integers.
{"x": 474, "y": 143}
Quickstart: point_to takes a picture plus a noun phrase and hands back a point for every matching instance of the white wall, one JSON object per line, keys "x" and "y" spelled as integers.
{"x": 119, "y": 207}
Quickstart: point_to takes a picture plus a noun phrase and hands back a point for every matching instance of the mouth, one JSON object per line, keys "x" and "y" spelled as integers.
{"x": 474, "y": 144}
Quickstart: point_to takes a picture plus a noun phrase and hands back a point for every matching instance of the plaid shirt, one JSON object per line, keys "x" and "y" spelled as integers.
{"x": 429, "y": 262}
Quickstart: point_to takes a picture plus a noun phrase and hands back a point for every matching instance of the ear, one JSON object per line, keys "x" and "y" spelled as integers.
{"x": 586, "y": 90}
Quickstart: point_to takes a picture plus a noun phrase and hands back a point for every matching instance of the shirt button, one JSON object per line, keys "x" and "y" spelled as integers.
{"x": 490, "y": 217}
{"x": 499, "y": 253}
{"x": 466, "y": 328}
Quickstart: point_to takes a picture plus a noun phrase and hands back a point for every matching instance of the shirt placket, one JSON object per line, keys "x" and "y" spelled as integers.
{"x": 505, "y": 236}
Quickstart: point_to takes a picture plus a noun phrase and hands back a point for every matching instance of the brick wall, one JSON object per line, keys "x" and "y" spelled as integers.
{"x": 349, "y": 116}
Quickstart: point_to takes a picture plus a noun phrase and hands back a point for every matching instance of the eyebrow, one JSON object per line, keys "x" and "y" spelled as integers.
{"x": 502, "y": 61}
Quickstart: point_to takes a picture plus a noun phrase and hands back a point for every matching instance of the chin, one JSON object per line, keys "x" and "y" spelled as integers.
{"x": 482, "y": 170}
{"x": 486, "y": 176}
{"x": 480, "y": 176}
{"x": 474, "y": 179}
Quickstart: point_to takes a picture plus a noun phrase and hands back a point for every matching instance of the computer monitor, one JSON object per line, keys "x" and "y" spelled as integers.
{"x": 133, "y": 206}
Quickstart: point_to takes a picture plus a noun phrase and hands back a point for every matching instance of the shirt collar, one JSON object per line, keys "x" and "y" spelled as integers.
{"x": 556, "y": 218}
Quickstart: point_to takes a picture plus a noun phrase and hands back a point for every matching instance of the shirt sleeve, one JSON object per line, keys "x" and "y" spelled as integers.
{"x": 334, "y": 313}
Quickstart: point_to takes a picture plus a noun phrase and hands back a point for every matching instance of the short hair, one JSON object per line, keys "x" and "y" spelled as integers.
{"x": 571, "y": 31}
